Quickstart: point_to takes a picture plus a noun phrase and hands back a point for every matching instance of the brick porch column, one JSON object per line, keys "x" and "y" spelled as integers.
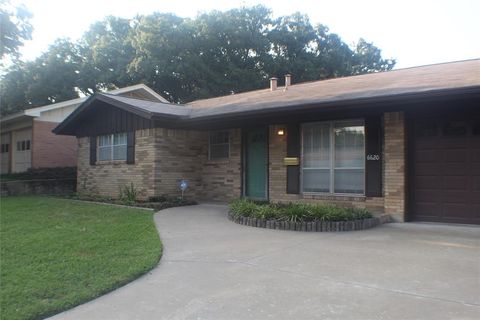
{"x": 395, "y": 160}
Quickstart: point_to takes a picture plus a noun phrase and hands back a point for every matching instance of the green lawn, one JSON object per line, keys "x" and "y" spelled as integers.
{"x": 58, "y": 253}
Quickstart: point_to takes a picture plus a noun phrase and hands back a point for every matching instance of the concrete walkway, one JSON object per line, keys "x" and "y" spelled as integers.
{"x": 215, "y": 269}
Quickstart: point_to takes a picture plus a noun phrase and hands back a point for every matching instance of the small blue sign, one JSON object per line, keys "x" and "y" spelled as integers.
{"x": 183, "y": 185}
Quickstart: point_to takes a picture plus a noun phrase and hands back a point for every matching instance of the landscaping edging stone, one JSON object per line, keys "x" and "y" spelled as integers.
{"x": 313, "y": 226}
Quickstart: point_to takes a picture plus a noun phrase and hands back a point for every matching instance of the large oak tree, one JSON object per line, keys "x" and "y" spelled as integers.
{"x": 214, "y": 54}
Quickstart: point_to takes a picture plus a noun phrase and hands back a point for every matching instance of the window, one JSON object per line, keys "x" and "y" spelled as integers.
{"x": 219, "y": 145}
{"x": 23, "y": 145}
{"x": 333, "y": 157}
{"x": 5, "y": 147}
{"x": 112, "y": 147}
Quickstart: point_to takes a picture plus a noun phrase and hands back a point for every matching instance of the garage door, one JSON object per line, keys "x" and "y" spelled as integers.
{"x": 446, "y": 170}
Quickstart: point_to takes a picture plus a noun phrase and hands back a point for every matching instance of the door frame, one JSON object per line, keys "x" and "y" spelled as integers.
{"x": 244, "y": 160}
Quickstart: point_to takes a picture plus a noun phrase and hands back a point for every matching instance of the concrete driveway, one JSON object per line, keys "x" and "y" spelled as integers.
{"x": 215, "y": 269}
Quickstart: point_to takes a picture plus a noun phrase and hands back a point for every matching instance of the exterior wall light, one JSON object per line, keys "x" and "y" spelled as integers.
{"x": 281, "y": 132}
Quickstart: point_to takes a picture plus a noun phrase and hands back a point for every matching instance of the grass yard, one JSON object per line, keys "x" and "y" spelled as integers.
{"x": 58, "y": 253}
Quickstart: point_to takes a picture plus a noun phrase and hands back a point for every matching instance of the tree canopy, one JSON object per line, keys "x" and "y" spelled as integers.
{"x": 15, "y": 28}
{"x": 184, "y": 59}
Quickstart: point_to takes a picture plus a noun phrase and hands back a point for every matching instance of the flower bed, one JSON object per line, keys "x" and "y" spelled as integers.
{"x": 301, "y": 217}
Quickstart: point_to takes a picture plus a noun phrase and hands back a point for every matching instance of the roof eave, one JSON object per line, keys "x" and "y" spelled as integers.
{"x": 349, "y": 103}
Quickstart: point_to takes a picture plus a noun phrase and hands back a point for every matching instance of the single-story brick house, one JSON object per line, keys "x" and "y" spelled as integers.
{"x": 404, "y": 142}
{"x": 27, "y": 140}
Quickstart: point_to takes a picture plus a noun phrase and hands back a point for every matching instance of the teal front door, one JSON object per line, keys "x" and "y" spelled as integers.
{"x": 256, "y": 163}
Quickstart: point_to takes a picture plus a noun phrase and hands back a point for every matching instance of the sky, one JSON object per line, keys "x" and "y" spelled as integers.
{"x": 414, "y": 32}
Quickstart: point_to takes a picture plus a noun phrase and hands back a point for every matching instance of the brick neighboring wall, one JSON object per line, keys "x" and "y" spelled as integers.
{"x": 106, "y": 179}
{"x": 395, "y": 159}
{"x": 51, "y": 150}
{"x": 278, "y": 180}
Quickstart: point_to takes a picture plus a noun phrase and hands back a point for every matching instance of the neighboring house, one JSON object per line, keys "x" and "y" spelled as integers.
{"x": 404, "y": 142}
{"x": 27, "y": 140}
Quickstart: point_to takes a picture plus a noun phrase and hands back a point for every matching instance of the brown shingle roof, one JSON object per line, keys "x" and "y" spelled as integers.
{"x": 424, "y": 80}
{"x": 461, "y": 74}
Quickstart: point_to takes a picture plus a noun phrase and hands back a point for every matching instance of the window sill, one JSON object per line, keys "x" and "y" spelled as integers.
{"x": 334, "y": 197}
{"x": 218, "y": 161}
{"x": 111, "y": 162}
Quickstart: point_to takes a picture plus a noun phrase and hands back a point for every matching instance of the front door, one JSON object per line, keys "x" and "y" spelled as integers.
{"x": 256, "y": 163}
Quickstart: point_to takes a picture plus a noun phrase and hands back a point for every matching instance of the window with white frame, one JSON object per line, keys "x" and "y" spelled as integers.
{"x": 112, "y": 147}
{"x": 23, "y": 145}
{"x": 5, "y": 148}
{"x": 219, "y": 145}
{"x": 333, "y": 157}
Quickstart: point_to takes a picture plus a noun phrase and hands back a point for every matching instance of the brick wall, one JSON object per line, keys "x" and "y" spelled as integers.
{"x": 221, "y": 179}
{"x": 395, "y": 159}
{"x": 163, "y": 157}
{"x": 106, "y": 178}
{"x": 183, "y": 154}
{"x": 51, "y": 150}
{"x": 177, "y": 154}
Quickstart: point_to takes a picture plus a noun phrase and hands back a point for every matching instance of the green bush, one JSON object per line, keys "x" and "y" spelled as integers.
{"x": 243, "y": 207}
{"x": 128, "y": 193}
{"x": 296, "y": 212}
{"x": 42, "y": 174}
{"x": 265, "y": 211}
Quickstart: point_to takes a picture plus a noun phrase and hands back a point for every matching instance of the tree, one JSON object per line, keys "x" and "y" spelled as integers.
{"x": 216, "y": 53}
{"x": 368, "y": 58}
{"x": 291, "y": 39}
{"x": 15, "y": 28}
{"x": 54, "y": 75}
{"x": 12, "y": 89}
{"x": 105, "y": 51}
{"x": 234, "y": 50}
{"x": 48, "y": 79}
{"x": 164, "y": 54}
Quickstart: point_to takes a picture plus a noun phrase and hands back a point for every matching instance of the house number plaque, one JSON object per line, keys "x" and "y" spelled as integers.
{"x": 373, "y": 157}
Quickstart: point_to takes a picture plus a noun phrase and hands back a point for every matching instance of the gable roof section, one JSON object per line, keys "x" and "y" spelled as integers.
{"x": 424, "y": 81}
{"x": 37, "y": 111}
{"x": 143, "y": 108}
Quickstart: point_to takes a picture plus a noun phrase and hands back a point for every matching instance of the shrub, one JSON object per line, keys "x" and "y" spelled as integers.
{"x": 243, "y": 207}
{"x": 128, "y": 193}
{"x": 296, "y": 212}
{"x": 42, "y": 174}
{"x": 157, "y": 199}
{"x": 293, "y": 212}
{"x": 266, "y": 211}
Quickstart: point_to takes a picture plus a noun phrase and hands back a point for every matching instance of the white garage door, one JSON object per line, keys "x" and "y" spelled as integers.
{"x": 22, "y": 153}
{"x": 5, "y": 153}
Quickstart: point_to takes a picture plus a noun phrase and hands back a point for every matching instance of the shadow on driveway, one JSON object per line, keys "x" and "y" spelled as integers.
{"x": 213, "y": 268}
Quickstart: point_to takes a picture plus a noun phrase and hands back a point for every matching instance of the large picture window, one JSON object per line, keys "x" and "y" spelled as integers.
{"x": 112, "y": 147}
{"x": 219, "y": 145}
{"x": 333, "y": 157}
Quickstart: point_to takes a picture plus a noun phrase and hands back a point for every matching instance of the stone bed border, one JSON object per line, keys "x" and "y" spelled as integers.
{"x": 314, "y": 226}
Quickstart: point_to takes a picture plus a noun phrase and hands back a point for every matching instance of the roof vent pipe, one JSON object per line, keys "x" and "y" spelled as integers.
{"x": 288, "y": 80}
{"x": 273, "y": 84}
